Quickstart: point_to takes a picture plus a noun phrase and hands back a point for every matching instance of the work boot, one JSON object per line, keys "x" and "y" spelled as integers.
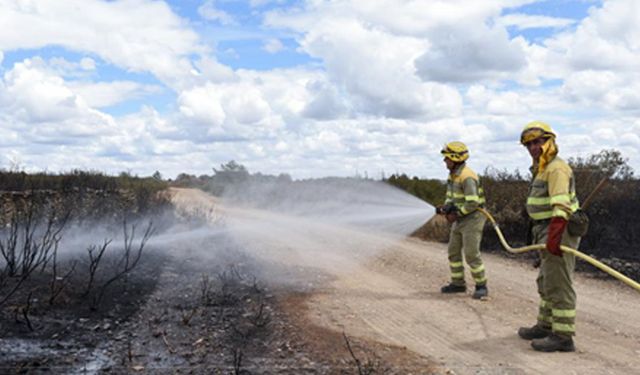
{"x": 535, "y": 332}
{"x": 452, "y": 288}
{"x": 481, "y": 291}
{"x": 554, "y": 343}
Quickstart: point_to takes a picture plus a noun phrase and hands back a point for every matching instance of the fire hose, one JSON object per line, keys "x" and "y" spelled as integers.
{"x": 635, "y": 285}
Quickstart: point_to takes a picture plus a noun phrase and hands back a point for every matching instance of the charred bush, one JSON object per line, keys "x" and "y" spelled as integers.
{"x": 87, "y": 195}
{"x": 613, "y": 229}
{"x": 372, "y": 363}
{"x": 613, "y": 232}
{"x": 95, "y": 254}
{"x": 126, "y": 261}
{"x": 27, "y": 243}
{"x": 75, "y": 180}
{"x": 235, "y": 310}
{"x": 430, "y": 190}
{"x": 37, "y": 209}
{"x": 506, "y": 194}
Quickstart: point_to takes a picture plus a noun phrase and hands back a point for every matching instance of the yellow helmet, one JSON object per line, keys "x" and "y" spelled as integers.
{"x": 536, "y": 129}
{"x": 455, "y": 151}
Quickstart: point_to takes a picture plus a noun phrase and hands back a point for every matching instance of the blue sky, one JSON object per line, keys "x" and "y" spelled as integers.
{"x": 312, "y": 88}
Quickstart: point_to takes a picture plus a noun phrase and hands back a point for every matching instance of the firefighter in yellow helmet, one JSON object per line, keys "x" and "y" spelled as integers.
{"x": 464, "y": 196}
{"x": 552, "y": 199}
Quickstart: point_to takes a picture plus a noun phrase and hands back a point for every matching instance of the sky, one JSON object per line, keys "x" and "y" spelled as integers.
{"x": 312, "y": 88}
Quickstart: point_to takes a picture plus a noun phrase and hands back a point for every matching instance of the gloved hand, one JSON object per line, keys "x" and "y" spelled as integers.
{"x": 446, "y": 209}
{"x": 554, "y": 235}
{"x": 452, "y": 216}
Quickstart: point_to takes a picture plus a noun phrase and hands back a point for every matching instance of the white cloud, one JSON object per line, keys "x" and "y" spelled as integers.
{"x": 231, "y": 52}
{"x": 412, "y": 17}
{"x": 47, "y": 80}
{"x": 44, "y": 106}
{"x": 286, "y": 91}
{"x": 374, "y": 68}
{"x": 160, "y": 127}
{"x": 273, "y": 45}
{"x": 9, "y": 137}
{"x": 542, "y": 63}
{"x": 259, "y": 3}
{"x": 202, "y": 104}
{"x": 460, "y": 56}
{"x": 606, "y": 89}
{"x": 508, "y": 103}
{"x": 591, "y": 85}
{"x": 213, "y": 71}
{"x": 105, "y": 94}
{"x": 449, "y": 52}
{"x": 526, "y": 21}
{"x": 497, "y": 102}
{"x": 325, "y": 102}
{"x": 281, "y": 146}
{"x": 389, "y": 83}
{"x": 137, "y": 35}
{"x": 598, "y": 62}
{"x": 401, "y": 44}
{"x": 87, "y": 63}
{"x": 64, "y": 67}
{"x": 208, "y": 11}
{"x": 246, "y": 105}
{"x": 606, "y": 40}
{"x": 36, "y": 96}
{"x": 227, "y": 111}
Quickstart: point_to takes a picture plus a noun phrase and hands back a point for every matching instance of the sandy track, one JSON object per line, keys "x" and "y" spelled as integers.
{"x": 395, "y": 299}
{"x": 392, "y": 296}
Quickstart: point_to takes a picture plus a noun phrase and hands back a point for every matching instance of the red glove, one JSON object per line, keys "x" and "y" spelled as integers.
{"x": 554, "y": 235}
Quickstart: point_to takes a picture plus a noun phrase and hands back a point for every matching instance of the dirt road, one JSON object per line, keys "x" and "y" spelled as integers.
{"x": 392, "y": 296}
{"x": 395, "y": 299}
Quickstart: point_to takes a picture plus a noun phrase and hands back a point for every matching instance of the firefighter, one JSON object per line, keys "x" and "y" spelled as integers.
{"x": 464, "y": 196}
{"x": 551, "y": 201}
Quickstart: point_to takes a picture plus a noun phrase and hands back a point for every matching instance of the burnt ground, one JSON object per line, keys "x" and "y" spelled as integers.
{"x": 180, "y": 314}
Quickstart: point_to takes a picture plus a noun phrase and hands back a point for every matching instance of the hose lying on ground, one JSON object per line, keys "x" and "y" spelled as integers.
{"x": 566, "y": 249}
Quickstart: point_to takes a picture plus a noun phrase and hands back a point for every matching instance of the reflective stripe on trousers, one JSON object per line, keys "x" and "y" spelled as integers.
{"x": 557, "y": 308}
{"x": 465, "y": 237}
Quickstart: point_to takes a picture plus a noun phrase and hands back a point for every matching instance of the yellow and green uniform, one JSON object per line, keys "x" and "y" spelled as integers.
{"x": 552, "y": 194}
{"x": 466, "y": 194}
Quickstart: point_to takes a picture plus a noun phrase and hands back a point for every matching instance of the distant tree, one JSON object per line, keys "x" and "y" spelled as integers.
{"x": 608, "y": 163}
{"x": 186, "y": 180}
{"x": 157, "y": 175}
{"x": 231, "y": 173}
{"x": 125, "y": 174}
{"x": 284, "y": 177}
{"x": 231, "y": 166}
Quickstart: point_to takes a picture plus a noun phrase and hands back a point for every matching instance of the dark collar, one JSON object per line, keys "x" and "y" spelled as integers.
{"x": 458, "y": 169}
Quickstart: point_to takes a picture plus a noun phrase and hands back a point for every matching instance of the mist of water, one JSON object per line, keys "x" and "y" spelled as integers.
{"x": 329, "y": 225}
{"x": 354, "y": 202}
